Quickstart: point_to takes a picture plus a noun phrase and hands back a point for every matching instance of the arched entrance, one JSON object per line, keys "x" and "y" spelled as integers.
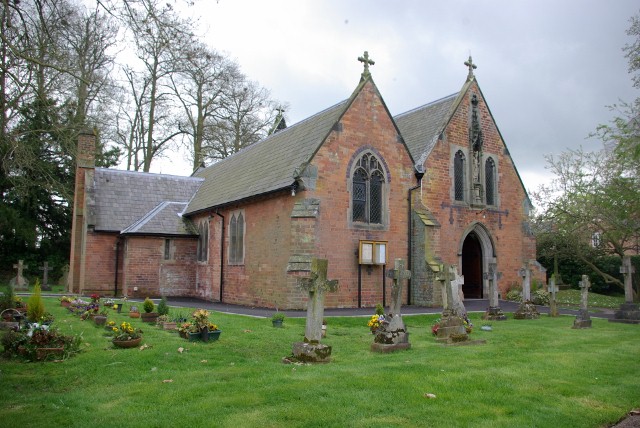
{"x": 472, "y": 267}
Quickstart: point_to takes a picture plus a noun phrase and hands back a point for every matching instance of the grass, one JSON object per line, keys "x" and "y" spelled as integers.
{"x": 530, "y": 373}
{"x": 571, "y": 298}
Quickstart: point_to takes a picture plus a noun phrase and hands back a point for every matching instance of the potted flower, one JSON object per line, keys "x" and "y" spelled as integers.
{"x": 207, "y": 329}
{"x": 375, "y": 323}
{"x": 109, "y": 325}
{"x": 126, "y": 336}
{"x": 65, "y": 301}
{"x": 46, "y": 319}
{"x": 134, "y": 312}
{"x": 149, "y": 315}
{"x": 277, "y": 319}
{"x": 165, "y": 323}
{"x": 95, "y": 298}
{"x": 108, "y": 302}
{"x": 101, "y": 318}
{"x": 185, "y": 328}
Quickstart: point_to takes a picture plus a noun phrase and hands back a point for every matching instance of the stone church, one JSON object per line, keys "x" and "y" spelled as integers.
{"x": 352, "y": 184}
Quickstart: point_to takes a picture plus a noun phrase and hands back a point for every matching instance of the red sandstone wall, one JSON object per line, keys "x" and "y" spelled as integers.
{"x": 100, "y": 262}
{"x": 513, "y": 247}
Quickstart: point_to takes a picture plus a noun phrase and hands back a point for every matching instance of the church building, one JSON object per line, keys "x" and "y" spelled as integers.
{"x": 352, "y": 184}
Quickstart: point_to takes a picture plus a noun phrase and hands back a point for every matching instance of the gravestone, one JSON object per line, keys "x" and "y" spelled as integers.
{"x": 393, "y": 335}
{"x": 45, "y": 276}
{"x": 553, "y": 302}
{"x": 19, "y": 282}
{"x": 311, "y": 350}
{"x": 527, "y": 310}
{"x": 64, "y": 280}
{"x": 629, "y": 312}
{"x": 583, "y": 320}
{"x": 451, "y": 321}
{"x": 493, "y": 313}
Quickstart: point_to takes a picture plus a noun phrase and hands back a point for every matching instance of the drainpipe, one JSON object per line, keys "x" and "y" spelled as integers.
{"x": 419, "y": 174}
{"x": 221, "y": 256}
{"x": 115, "y": 290}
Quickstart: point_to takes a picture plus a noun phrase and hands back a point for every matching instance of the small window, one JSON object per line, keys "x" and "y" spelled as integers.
{"x": 203, "y": 241}
{"x": 167, "y": 249}
{"x": 458, "y": 175}
{"x": 490, "y": 181}
{"x": 236, "y": 239}
{"x": 367, "y": 191}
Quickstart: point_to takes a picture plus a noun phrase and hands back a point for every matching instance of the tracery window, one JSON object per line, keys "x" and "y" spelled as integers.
{"x": 368, "y": 190}
{"x": 202, "y": 252}
{"x": 236, "y": 238}
{"x": 458, "y": 175}
{"x": 490, "y": 181}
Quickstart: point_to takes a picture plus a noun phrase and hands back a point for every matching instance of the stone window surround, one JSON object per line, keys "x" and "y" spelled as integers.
{"x": 202, "y": 252}
{"x": 236, "y": 215}
{"x": 485, "y": 157}
{"x": 384, "y": 225}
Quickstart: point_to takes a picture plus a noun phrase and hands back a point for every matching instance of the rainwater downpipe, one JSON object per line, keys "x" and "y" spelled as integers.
{"x": 115, "y": 281}
{"x": 221, "y": 256}
{"x": 419, "y": 174}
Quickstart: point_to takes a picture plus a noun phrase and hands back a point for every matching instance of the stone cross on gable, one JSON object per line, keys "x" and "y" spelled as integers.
{"x": 45, "y": 275}
{"x": 316, "y": 285}
{"x": 469, "y": 63}
{"x": 627, "y": 269}
{"x": 398, "y": 274}
{"x": 367, "y": 62}
{"x": 585, "y": 284}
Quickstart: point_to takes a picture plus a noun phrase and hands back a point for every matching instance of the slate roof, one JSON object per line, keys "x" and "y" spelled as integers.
{"x": 422, "y": 126}
{"x": 165, "y": 219}
{"x": 266, "y": 166}
{"x": 121, "y": 199}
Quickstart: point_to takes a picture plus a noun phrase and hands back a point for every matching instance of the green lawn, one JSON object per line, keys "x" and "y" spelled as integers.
{"x": 534, "y": 373}
{"x": 571, "y": 298}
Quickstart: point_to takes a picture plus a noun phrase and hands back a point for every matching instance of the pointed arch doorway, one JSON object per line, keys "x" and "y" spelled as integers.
{"x": 476, "y": 253}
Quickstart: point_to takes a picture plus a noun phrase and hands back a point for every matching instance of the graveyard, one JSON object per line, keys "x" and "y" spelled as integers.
{"x": 530, "y": 372}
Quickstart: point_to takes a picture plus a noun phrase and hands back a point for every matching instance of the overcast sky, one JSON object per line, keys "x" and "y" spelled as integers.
{"x": 548, "y": 69}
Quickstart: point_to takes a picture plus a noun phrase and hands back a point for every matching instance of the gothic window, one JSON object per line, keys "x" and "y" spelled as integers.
{"x": 458, "y": 175}
{"x": 236, "y": 239}
{"x": 167, "y": 249}
{"x": 367, "y": 191}
{"x": 490, "y": 181}
{"x": 203, "y": 241}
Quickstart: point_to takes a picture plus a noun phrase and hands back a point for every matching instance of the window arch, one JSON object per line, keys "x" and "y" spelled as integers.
{"x": 490, "y": 181}
{"x": 236, "y": 238}
{"x": 458, "y": 175}
{"x": 367, "y": 193}
{"x": 202, "y": 252}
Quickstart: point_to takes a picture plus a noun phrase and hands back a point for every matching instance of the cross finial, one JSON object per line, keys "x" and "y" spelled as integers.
{"x": 471, "y": 66}
{"x": 367, "y": 62}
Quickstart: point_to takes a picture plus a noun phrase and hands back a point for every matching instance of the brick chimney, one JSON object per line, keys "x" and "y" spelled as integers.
{"x": 85, "y": 167}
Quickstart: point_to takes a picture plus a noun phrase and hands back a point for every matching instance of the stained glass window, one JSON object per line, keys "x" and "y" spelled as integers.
{"x": 236, "y": 239}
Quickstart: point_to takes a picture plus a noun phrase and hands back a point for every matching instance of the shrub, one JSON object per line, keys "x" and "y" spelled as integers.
{"x": 163, "y": 308}
{"x": 379, "y": 309}
{"x": 540, "y": 297}
{"x": 148, "y": 305}
{"x": 278, "y": 316}
{"x": 6, "y": 301}
{"x": 35, "y": 305}
{"x": 514, "y": 295}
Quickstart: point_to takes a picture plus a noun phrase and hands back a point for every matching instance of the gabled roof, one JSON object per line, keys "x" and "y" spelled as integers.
{"x": 422, "y": 126}
{"x": 165, "y": 219}
{"x": 119, "y": 199}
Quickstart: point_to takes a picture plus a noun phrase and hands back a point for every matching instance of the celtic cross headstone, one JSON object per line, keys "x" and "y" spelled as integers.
{"x": 45, "y": 276}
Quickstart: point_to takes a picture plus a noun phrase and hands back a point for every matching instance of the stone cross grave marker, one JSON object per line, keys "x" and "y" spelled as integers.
{"x": 398, "y": 274}
{"x": 627, "y": 269}
{"x": 525, "y": 273}
{"x": 583, "y": 320}
{"x": 45, "y": 276}
{"x": 493, "y": 312}
{"x": 19, "y": 282}
{"x": 456, "y": 291}
{"x": 316, "y": 285}
{"x": 553, "y": 303}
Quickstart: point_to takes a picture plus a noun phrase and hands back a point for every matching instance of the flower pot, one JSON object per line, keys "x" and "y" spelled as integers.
{"x": 214, "y": 335}
{"x": 100, "y": 319}
{"x": 127, "y": 343}
{"x": 277, "y": 323}
{"x": 134, "y": 314}
{"x": 150, "y": 317}
{"x": 169, "y": 325}
{"x": 65, "y": 304}
{"x": 194, "y": 337}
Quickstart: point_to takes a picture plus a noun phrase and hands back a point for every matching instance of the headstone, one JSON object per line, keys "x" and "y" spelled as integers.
{"x": 65, "y": 277}
{"x": 527, "y": 310}
{"x": 583, "y": 320}
{"x": 19, "y": 282}
{"x": 553, "y": 302}
{"x": 451, "y": 321}
{"x": 493, "y": 313}
{"x": 311, "y": 350}
{"x": 393, "y": 335}
{"x": 456, "y": 291}
{"x": 45, "y": 276}
{"x": 629, "y": 312}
